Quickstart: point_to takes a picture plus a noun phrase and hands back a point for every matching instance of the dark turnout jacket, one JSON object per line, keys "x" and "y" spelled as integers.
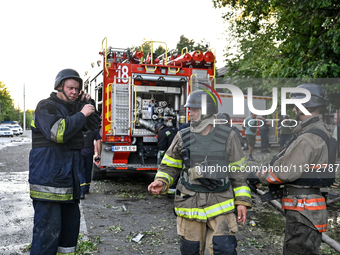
{"x": 55, "y": 156}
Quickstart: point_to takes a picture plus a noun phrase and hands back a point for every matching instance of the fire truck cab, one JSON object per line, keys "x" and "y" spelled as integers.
{"x": 135, "y": 90}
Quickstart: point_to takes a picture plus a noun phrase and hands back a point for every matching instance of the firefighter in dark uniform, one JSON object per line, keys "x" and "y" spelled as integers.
{"x": 54, "y": 161}
{"x": 304, "y": 205}
{"x": 165, "y": 137}
{"x": 206, "y": 195}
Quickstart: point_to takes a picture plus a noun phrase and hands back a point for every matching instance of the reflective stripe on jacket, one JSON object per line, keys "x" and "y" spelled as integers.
{"x": 206, "y": 213}
{"x": 304, "y": 204}
{"x": 51, "y": 193}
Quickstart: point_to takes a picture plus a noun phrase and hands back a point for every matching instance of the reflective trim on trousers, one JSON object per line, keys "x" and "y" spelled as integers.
{"x": 321, "y": 228}
{"x": 67, "y": 250}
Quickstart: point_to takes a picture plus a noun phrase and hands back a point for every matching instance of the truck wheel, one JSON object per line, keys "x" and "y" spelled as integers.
{"x": 97, "y": 174}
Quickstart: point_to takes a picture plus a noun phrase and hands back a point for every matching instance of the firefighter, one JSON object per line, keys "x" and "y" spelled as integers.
{"x": 165, "y": 136}
{"x": 205, "y": 198}
{"x": 54, "y": 162}
{"x": 305, "y": 207}
{"x": 88, "y": 159}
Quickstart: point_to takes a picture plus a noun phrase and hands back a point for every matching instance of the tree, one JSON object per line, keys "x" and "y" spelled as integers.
{"x": 183, "y": 43}
{"x": 6, "y": 101}
{"x": 29, "y": 117}
{"x": 147, "y": 48}
{"x": 190, "y": 44}
{"x": 287, "y": 39}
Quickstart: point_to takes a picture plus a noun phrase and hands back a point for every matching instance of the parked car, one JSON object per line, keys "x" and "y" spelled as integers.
{"x": 19, "y": 128}
{"x": 14, "y": 129}
{"x": 5, "y": 131}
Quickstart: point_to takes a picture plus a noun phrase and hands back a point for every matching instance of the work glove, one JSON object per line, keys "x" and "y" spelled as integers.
{"x": 94, "y": 120}
{"x": 211, "y": 184}
{"x": 253, "y": 180}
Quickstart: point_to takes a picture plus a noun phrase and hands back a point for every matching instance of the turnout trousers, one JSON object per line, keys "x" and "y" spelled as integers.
{"x": 56, "y": 228}
{"x": 301, "y": 236}
{"x": 217, "y": 235}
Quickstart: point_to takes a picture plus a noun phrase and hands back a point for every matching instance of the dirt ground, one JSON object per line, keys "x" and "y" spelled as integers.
{"x": 119, "y": 208}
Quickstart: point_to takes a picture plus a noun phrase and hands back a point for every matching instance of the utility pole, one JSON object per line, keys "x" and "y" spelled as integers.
{"x": 24, "y": 118}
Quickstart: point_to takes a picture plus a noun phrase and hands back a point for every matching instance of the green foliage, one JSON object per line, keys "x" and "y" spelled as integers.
{"x": 6, "y": 101}
{"x": 190, "y": 45}
{"x": 9, "y": 112}
{"x": 289, "y": 39}
{"x": 85, "y": 246}
{"x": 157, "y": 48}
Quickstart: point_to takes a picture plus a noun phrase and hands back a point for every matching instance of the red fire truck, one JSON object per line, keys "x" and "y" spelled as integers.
{"x": 135, "y": 90}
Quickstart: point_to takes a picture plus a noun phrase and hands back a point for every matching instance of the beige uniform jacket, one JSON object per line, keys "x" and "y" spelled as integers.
{"x": 306, "y": 153}
{"x": 203, "y": 206}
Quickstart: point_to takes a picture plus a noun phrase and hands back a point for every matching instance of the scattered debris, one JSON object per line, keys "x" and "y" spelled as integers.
{"x": 252, "y": 223}
{"x": 137, "y": 238}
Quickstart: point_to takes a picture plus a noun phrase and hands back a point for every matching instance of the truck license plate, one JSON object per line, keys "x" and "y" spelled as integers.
{"x": 124, "y": 148}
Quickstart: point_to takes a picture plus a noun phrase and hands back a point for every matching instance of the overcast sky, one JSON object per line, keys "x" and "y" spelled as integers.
{"x": 39, "y": 38}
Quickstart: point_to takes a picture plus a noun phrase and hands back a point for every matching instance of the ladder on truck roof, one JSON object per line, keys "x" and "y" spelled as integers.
{"x": 120, "y": 105}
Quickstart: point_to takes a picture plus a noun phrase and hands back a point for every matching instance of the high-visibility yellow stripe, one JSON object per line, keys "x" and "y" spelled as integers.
{"x": 219, "y": 208}
{"x": 83, "y": 184}
{"x": 241, "y": 162}
{"x": 61, "y": 131}
{"x": 206, "y": 213}
{"x": 178, "y": 163}
{"x": 165, "y": 175}
{"x": 51, "y": 196}
{"x": 33, "y": 123}
{"x": 242, "y": 191}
